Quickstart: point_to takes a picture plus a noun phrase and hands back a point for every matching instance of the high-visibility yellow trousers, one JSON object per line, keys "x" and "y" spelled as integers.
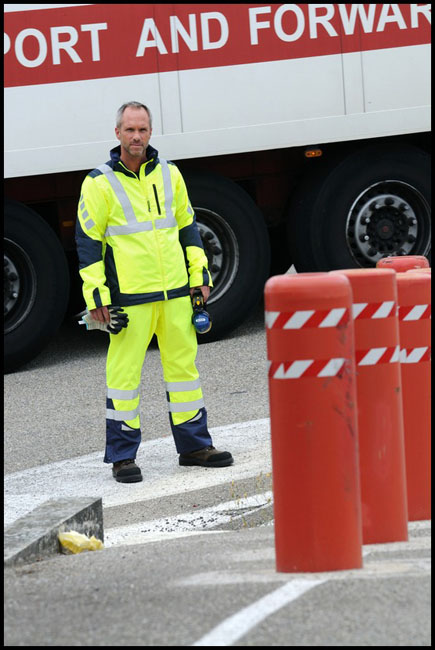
{"x": 171, "y": 321}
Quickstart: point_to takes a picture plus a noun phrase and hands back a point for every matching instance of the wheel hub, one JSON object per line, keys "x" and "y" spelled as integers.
{"x": 385, "y": 229}
{"x": 213, "y": 250}
{"x": 11, "y": 285}
{"x": 20, "y": 285}
{"x": 384, "y": 220}
{"x": 221, "y": 248}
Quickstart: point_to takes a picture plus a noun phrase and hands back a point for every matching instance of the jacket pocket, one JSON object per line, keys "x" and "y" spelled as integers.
{"x": 157, "y": 199}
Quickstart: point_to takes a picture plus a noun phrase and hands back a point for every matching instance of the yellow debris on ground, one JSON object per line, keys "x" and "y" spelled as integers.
{"x": 74, "y": 542}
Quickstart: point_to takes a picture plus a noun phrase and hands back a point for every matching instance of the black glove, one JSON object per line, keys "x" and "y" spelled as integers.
{"x": 118, "y": 320}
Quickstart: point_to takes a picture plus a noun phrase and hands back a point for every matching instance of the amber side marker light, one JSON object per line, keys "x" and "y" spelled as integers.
{"x": 313, "y": 153}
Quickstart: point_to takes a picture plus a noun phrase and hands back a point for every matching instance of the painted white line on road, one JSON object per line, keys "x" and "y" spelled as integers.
{"x": 206, "y": 519}
{"x": 236, "y": 626}
{"x": 203, "y": 519}
{"x": 161, "y": 537}
{"x": 249, "y": 442}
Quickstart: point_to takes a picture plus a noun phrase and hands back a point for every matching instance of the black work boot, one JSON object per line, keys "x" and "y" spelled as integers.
{"x": 126, "y": 471}
{"x": 207, "y": 457}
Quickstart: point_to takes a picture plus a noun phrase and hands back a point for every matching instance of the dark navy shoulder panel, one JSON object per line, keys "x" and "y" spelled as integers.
{"x": 94, "y": 173}
{"x": 98, "y": 172}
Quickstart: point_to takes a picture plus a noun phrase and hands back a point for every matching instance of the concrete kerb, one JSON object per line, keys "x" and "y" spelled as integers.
{"x": 34, "y": 536}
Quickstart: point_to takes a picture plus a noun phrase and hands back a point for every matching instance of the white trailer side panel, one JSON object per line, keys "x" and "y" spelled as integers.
{"x": 397, "y": 78}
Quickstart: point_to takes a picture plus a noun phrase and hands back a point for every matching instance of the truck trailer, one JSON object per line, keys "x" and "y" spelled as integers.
{"x": 302, "y": 131}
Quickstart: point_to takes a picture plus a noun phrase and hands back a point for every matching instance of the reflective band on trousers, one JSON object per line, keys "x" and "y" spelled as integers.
{"x": 182, "y": 407}
{"x": 178, "y": 386}
{"x": 133, "y": 225}
{"x": 122, "y": 394}
{"x": 112, "y": 414}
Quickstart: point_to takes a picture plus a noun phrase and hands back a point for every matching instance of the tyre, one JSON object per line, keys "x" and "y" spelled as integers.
{"x": 374, "y": 203}
{"x": 36, "y": 280}
{"x": 237, "y": 246}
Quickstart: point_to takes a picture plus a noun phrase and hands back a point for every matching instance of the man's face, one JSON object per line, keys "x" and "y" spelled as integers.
{"x": 135, "y": 131}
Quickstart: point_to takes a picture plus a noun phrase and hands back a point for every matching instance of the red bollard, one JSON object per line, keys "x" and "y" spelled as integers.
{"x": 312, "y": 394}
{"x": 403, "y": 262}
{"x": 414, "y": 295}
{"x": 380, "y": 411}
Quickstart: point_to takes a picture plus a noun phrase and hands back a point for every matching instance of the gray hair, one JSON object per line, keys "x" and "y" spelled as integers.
{"x": 120, "y": 112}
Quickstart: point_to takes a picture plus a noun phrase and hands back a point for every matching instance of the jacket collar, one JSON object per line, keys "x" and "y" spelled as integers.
{"x": 115, "y": 160}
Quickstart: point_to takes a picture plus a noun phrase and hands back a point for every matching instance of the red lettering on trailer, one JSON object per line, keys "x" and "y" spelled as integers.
{"x": 110, "y": 40}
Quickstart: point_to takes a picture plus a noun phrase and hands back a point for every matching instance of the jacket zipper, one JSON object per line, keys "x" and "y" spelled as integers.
{"x": 158, "y": 244}
{"x": 157, "y": 199}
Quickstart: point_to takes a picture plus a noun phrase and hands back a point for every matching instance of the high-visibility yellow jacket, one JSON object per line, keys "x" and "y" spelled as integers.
{"x": 136, "y": 234}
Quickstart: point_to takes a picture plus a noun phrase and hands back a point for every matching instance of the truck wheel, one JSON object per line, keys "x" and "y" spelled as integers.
{"x": 36, "y": 282}
{"x": 374, "y": 203}
{"x": 236, "y": 243}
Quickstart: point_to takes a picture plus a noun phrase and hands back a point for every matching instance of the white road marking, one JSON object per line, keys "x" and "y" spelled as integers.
{"x": 206, "y": 519}
{"x": 203, "y": 519}
{"x": 161, "y": 536}
{"x": 236, "y": 626}
{"x": 249, "y": 442}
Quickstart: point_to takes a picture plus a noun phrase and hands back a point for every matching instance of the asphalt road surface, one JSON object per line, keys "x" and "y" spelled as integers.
{"x": 189, "y": 553}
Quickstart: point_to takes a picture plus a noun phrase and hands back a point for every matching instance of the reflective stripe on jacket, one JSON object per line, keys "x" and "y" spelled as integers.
{"x": 137, "y": 237}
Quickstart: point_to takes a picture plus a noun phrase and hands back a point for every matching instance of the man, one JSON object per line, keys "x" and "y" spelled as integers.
{"x": 139, "y": 247}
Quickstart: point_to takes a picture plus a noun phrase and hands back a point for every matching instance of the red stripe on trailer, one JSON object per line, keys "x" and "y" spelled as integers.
{"x": 97, "y": 41}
